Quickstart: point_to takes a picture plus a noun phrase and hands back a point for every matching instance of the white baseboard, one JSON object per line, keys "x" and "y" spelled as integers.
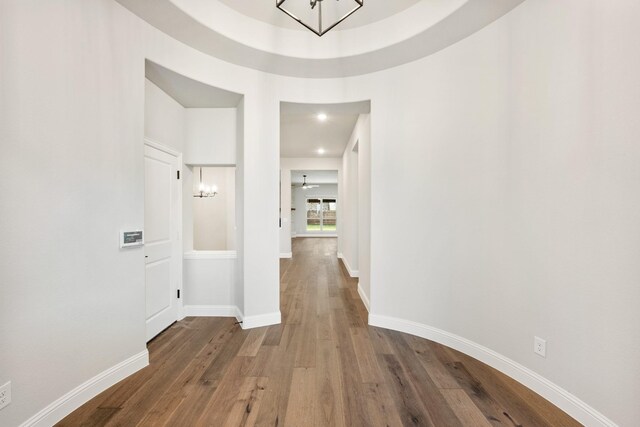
{"x": 239, "y": 316}
{"x": 260, "y": 320}
{"x": 340, "y": 256}
{"x": 316, "y": 235}
{"x": 286, "y": 255}
{"x": 363, "y": 297}
{"x": 210, "y": 310}
{"x": 71, "y": 401}
{"x": 352, "y": 272}
{"x": 195, "y": 255}
{"x": 564, "y": 400}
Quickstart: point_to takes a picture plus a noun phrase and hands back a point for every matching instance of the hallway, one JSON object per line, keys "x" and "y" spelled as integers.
{"x": 323, "y": 366}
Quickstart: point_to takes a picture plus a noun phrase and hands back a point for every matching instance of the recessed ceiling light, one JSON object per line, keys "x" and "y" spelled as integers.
{"x": 320, "y": 150}
{"x": 322, "y": 117}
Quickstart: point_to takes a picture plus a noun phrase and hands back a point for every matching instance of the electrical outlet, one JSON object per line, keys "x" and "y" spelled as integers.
{"x": 5, "y": 394}
{"x": 540, "y": 346}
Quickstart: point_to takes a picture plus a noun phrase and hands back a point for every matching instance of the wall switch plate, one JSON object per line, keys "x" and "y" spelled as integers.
{"x": 5, "y": 394}
{"x": 131, "y": 238}
{"x": 540, "y": 346}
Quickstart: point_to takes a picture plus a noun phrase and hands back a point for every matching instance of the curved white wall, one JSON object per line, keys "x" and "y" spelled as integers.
{"x": 515, "y": 161}
{"x": 512, "y": 156}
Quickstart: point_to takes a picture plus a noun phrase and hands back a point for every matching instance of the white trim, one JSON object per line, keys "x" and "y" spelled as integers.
{"x": 340, "y": 256}
{"x": 180, "y": 245}
{"x": 176, "y": 246}
{"x": 212, "y": 165}
{"x": 260, "y": 320}
{"x": 286, "y": 255}
{"x": 210, "y": 310}
{"x": 86, "y": 391}
{"x": 316, "y": 235}
{"x": 560, "y": 397}
{"x": 210, "y": 255}
{"x": 161, "y": 147}
{"x": 239, "y": 315}
{"x": 363, "y": 297}
{"x": 352, "y": 272}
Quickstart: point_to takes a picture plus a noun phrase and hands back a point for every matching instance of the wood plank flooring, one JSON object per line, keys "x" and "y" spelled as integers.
{"x": 323, "y": 366}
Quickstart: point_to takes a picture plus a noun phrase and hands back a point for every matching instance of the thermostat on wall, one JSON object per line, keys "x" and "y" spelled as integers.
{"x": 131, "y": 238}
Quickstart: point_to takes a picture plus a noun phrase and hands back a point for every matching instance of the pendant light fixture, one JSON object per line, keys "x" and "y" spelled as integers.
{"x": 205, "y": 190}
{"x": 319, "y": 16}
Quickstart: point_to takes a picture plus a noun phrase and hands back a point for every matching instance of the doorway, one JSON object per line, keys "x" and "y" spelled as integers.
{"x": 321, "y": 214}
{"x": 314, "y": 203}
{"x": 163, "y": 220}
{"x": 322, "y": 137}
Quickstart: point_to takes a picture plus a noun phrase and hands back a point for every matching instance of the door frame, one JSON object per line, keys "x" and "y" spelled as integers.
{"x": 178, "y": 250}
{"x": 321, "y": 232}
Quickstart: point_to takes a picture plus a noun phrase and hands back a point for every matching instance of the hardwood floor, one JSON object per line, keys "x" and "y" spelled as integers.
{"x": 323, "y": 366}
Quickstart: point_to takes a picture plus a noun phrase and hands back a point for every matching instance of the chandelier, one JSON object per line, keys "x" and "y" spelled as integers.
{"x": 319, "y": 16}
{"x": 205, "y": 190}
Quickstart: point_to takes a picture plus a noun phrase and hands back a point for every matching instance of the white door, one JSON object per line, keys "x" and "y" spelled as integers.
{"x": 162, "y": 196}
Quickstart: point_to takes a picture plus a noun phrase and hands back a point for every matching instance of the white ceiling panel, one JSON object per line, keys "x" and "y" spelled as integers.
{"x": 302, "y": 134}
{"x": 265, "y": 11}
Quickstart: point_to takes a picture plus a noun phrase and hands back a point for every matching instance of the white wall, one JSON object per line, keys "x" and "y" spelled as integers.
{"x": 287, "y": 228}
{"x": 299, "y": 196}
{"x": 363, "y": 132}
{"x": 164, "y": 123}
{"x": 74, "y": 106}
{"x": 515, "y": 150}
{"x": 349, "y": 209}
{"x": 210, "y": 136}
{"x": 356, "y": 205}
{"x": 164, "y": 118}
{"x": 214, "y": 218}
{"x": 514, "y": 165}
{"x": 239, "y": 209}
{"x": 209, "y": 282}
{"x": 231, "y": 208}
{"x": 72, "y": 125}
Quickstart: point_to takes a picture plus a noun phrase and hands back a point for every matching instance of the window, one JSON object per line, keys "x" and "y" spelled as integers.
{"x": 321, "y": 214}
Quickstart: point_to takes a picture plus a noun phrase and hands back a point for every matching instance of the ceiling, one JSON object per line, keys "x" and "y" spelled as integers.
{"x": 314, "y": 177}
{"x": 381, "y": 35}
{"x": 265, "y": 11}
{"x": 302, "y": 134}
{"x": 187, "y": 92}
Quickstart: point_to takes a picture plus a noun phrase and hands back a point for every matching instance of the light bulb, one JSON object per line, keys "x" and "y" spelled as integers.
{"x": 214, "y": 188}
{"x": 201, "y": 187}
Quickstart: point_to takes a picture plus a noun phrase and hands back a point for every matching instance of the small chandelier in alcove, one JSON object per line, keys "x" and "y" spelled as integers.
{"x": 205, "y": 190}
{"x": 319, "y": 16}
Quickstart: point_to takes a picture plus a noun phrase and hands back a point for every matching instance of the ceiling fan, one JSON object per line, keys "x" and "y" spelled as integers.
{"x": 305, "y": 185}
